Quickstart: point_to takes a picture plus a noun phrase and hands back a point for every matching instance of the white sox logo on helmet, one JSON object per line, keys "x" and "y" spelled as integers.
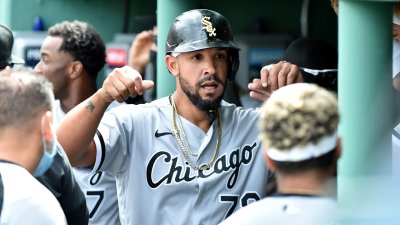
{"x": 208, "y": 26}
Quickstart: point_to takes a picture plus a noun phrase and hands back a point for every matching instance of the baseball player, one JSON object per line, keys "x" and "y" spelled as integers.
{"x": 72, "y": 55}
{"x": 27, "y": 148}
{"x": 303, "y": 151}
{"x": 188, "y": 158}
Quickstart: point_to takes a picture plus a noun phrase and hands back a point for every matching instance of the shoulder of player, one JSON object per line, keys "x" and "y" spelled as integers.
{"x": 231, "y": 110}
{"x": 141, "y": 110}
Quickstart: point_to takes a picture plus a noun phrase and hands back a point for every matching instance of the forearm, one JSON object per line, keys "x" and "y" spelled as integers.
{"x": 76, "y": 131}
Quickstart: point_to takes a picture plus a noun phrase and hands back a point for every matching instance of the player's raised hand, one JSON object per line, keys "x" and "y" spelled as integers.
{"x": 272, "y": 77}
{"x": 122, "y": 83}
{"x": 139, "y": 53}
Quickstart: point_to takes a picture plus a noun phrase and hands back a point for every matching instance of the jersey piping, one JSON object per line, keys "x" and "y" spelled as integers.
{"x": 103, "y": 147}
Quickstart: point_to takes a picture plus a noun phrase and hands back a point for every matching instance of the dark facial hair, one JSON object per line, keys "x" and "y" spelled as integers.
{"x": 209, "y": 107}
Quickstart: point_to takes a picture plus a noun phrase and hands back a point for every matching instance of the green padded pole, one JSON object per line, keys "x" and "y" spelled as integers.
{"x": 5, "y": 13}
{"x": 167, "y": 10}
{"x": 366, "y": 107}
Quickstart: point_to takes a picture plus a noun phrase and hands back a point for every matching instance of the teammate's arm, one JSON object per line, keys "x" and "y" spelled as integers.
{"x": 273, "y": 77}
{"x": 139, "y": 53}
{"x": 76, "y": 131}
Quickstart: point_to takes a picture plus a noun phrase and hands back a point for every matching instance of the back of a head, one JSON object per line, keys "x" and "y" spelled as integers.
{"x": 313, "y": 54}
{"x": 299, "y": 122}
{"x": 83, "y": 43}
{"x": 6, "y": 44}
{"x": 23, "y": 97}
{"x": 201, "y": 29}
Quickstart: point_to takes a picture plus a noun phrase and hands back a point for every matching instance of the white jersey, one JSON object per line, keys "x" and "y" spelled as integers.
{"x": 156, "y": 185}
{"x": 396, "y": 152}
{"x": 288, "y": 209}
{"x": 99, "y": 188}
{"x": 25, "y": 200}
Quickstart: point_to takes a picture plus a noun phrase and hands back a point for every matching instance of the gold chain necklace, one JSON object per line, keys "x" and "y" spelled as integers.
{"x": 184, "y": 135}
{"x": 178, "y": 139}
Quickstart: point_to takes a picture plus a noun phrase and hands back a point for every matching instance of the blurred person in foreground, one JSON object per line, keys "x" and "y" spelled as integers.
{"x": 298, "y": 127}
{"x": 58, "y": 177}
{"x": 27, "y": 147}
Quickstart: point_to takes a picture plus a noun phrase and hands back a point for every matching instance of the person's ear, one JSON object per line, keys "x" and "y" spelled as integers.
{"x": 46, "y": 123}
{"x": 75, "y": 69}
{"x": 270, "y": 163}
{"x": 172, "y": 64}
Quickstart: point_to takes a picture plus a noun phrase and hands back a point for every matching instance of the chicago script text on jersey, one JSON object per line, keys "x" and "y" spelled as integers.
{"x": 178, "y": 173}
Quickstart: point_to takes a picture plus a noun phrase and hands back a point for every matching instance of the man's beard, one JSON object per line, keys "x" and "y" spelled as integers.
{"x": 208, "y": 106}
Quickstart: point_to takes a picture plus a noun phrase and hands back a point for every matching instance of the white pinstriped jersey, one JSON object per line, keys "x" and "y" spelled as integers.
{"x": 156, "y": 185}
{"x": 288, "y": 209}
{"x": 99, "y": 188}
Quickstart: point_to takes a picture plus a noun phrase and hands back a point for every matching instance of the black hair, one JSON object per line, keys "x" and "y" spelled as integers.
{"x": 83, "y": 43}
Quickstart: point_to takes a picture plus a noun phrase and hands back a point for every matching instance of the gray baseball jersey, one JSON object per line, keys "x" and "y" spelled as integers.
{"x": 288, "y": 209}
{"x": 99, "y": 188}
{"x": 156, "y": 185}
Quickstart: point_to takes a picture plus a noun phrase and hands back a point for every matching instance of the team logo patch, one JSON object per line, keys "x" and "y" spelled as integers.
{"x": 208, "y": 26}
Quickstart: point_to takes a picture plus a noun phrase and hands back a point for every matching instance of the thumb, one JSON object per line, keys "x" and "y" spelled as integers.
{"x": 147, "y": 84}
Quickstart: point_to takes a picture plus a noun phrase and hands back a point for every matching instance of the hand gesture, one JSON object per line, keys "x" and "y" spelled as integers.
{"x": 122, "y": 83}
{"x": 272, "y": 77}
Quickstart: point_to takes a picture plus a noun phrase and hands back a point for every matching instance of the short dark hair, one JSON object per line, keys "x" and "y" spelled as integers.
{"x": 24, "y": 95}
{"x": 83, "y": 43}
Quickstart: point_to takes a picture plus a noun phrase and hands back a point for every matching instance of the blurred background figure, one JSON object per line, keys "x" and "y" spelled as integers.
{"x": 6, "y": 45}
{"x": 27, "y": 146}
{"x": 396, "y": 85}
{"x": 143, "y": 49}
{"x": 143, "y": 56}
{"x": 298, "y": 126}
{"x": 72, "y": 55}
{"x": 396, "y": 46}
{"x": 317, "y": 59}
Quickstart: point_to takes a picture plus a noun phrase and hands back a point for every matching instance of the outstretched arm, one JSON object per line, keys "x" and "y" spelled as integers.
{"x": 76, "y": 131}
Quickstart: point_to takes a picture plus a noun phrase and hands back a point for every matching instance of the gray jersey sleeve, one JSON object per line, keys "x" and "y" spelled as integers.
{"x": 119, "y": 129}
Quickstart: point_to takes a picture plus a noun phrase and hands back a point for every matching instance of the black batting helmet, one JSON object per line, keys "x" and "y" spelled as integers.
{"x": 200, "y": 29}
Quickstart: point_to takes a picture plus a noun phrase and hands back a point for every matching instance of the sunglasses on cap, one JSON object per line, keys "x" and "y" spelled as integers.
{"x": 326, "y": 78}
